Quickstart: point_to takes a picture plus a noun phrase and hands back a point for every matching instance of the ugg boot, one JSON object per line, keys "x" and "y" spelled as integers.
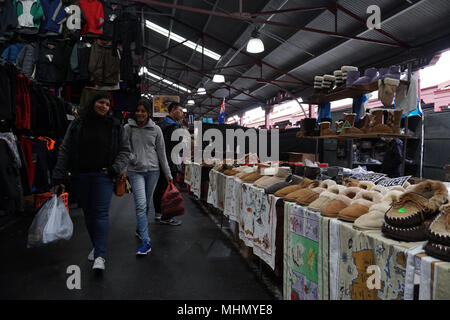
{"x": 369, "y": 76}
{"x": 325, "y": 130}
{"x": 365, "y": 124}
{"x": 349, "y": 125}
{"x": 397, "y": 120}
{"x": 302, "y": 131}
{"x": 378, "y": 125}
{"x": 352, "y": 76}
{"x": 386, "y": 90}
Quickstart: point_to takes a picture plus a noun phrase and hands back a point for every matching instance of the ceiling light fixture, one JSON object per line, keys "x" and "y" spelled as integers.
{"x": 218, "y": 78}
{"x": 201, "y": 90}
{"x": 255, "y": 45}
{"x": 190, "y": 102}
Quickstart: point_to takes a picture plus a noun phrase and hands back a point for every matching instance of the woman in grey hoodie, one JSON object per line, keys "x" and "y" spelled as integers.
{"x": 148, "y": 154}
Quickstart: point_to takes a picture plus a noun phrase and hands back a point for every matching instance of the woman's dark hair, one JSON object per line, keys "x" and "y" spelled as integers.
{"x": 146, "y": 105}
{"x": 89, "y": 110}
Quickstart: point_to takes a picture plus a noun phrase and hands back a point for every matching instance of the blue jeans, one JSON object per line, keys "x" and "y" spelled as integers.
{"x": 143, "y": 185}
{"x": 94, "y": 192}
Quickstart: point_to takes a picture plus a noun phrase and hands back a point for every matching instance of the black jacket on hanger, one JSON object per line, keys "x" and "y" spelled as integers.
{"x": 8, "y": 19}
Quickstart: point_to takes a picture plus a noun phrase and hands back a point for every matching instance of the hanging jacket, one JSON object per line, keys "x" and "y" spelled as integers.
{"x": 148, "y": 151}
{"x": 8, "y": 19}
{"x": 29, "y": 13}
{"x": 12, "y": 52}
{"x": 54, "y": 16}
{"x": 104, "y": 65}
{"x": 112, "y": 12}
{"x": 8, "y": 86}
{"x": 26, "y": 59}
{"x": 53, "y": 61}
{"x": 95, "y": 19}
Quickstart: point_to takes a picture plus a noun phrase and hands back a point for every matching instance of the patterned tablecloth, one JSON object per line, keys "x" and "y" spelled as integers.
{"x": 196, "y": 179}
{"x": 301, "y": 249}
{"x": 187, "y": 173}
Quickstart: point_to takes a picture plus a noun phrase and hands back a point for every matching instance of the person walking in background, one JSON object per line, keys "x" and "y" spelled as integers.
{"x": 148, "y": 154}
{"x": 95, "y": 151}
{"x": 168, "y": 125}
{"x": 392, "y": 162}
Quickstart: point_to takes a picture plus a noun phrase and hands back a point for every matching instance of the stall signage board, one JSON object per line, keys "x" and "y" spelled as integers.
{"x": 161, "y": 105}
{"x": 373, "y": 177}
{"x": 394, "y": 182}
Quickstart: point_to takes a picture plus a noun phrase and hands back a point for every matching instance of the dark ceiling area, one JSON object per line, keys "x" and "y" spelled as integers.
{"x": 302, "y": 39}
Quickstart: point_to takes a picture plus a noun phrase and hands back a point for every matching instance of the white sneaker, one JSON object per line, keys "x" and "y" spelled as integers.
{"x": 91, "y": 255}
{"x": 99, "y": 264}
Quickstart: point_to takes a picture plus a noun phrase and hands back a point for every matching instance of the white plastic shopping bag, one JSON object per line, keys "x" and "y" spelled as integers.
{"x": 51, "y": 223}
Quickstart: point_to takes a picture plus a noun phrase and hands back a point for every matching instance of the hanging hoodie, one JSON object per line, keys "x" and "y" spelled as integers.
{"x": 54, "y": 16}
{"x": 26, "y": 60}
{"x": 8, "y": 19}
{"x": 29, "y": 13}
{"x": 12, "y": 52}
{"x": 75, "y": 20}
{"x": 95, "y": 19}
{"x": 112, "y": 11}
{"x": 53, "y": 60}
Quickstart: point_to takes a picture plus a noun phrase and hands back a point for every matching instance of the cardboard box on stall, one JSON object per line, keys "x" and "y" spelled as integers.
{"x": 300, "y": 157}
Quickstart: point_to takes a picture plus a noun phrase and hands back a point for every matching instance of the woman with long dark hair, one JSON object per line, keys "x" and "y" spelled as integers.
{"x": 95, "y": 151}
{"x": 148, "y": 155}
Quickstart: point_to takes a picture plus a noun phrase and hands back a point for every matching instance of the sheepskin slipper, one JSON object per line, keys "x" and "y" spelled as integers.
{"x": 366, "y": 185}
{"x": 350, "y": 182}
{"x": 438, "y": 251}
{"x": 252, "y": 177}
{"x": 326, "y": 184}
{"x": 380, "y": 189}
{"x": 268, "y": 180}
{"x": 439, "y": 230}
{"x": 374, "y": 219}
{"x": 326, "y": 197}
{"x": 291, "y": 197}
{"x": 360, "y": 206}
{"x": 289, "y": 181}
{"x": 230, "y": 172}
{"x": 342, "y": 201}
{"x": 420, "y": 203}
{"x": 287, "y": 190}
{"x": 309, "y": 195}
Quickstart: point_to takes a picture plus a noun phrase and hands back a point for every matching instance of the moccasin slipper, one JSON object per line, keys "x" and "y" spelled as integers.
{"x": 342, "y": 201}
{"x": 374, "y": 219}
{"x": 439, "y": 230}
{"x": 413, "y": 234}
{"x": 360, "y": 205}
{"x": 252, "y": 177}
{"x": 438, "y": 250}
{"x": 416, "y": 206}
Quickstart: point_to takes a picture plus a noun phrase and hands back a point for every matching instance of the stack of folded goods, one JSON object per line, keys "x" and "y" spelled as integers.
{"x": 328, "y": 81}
{"x": 345, "y": 70}
{"x": 339, "y": 75}
{"x": 318, "y": 82}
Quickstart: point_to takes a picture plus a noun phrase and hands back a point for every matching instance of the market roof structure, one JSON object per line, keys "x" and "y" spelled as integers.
{"x": 188, "y": 42}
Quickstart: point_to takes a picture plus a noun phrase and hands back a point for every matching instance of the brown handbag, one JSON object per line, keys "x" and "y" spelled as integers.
{"x": 120, "y": 187}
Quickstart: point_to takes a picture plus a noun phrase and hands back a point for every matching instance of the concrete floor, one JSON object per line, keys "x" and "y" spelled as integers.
{"x": 193, "y": 261}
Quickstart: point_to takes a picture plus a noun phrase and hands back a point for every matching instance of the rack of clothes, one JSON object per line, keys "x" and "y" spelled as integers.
{"x": 33, "y": 121}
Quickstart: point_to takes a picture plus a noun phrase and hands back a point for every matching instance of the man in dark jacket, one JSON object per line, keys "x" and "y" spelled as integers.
{"x": 168, "y": 125}
{"x": 393, "y": 158}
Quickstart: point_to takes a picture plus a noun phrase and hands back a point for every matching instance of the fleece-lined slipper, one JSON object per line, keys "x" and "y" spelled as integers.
{"x": 439, "y": 230}
{"x": 374, "y": 219}
{"x": 309, "y": 195}
{"x": 419, "y": 204}
{"x": 342, "y": 201}
{"x": 325, "y": 198}
{"x": 412, "y": 234}
{"x": 360, "y": 206}
{"x": 350, "y": 182}
{"x": 366, "y": 185}
{"x": 287, "y": 190}
{"x": 291, "y": 197}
